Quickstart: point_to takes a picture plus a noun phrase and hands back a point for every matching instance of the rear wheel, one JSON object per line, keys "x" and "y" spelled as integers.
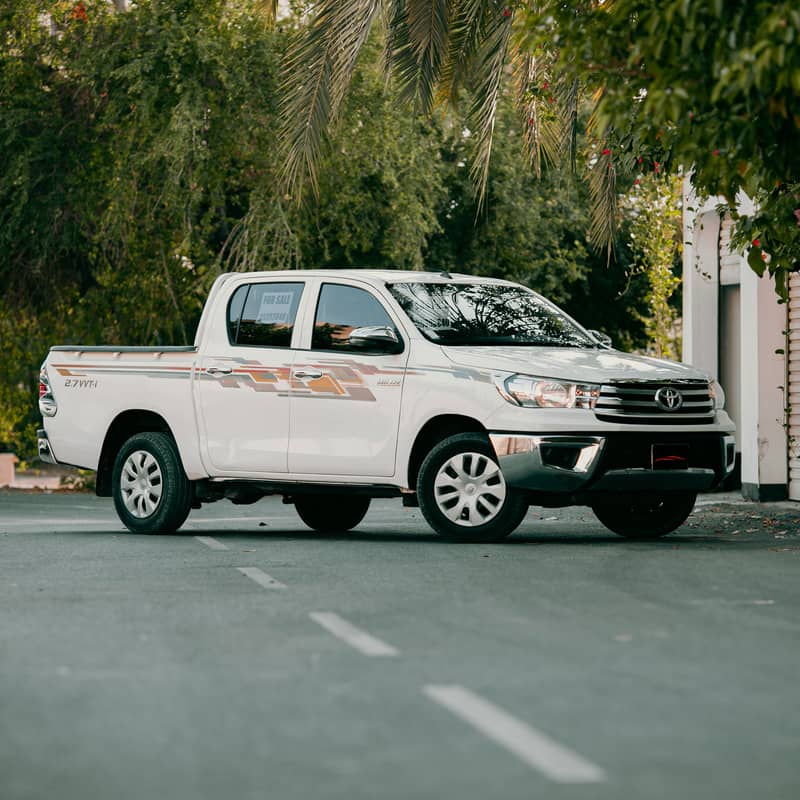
{"x": 463, "y": 494}
{"x": 647, "y": 519}
{"x": 331, "y": 513}
{"x": 151, "y": 491}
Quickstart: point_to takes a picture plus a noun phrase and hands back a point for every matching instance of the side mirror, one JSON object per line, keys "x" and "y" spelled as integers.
{"x": 603, "y": 338}
{"x": 377, "y": 338}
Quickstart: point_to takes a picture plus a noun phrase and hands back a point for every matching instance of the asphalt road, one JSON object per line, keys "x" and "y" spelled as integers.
{"x": 251, "y": 658}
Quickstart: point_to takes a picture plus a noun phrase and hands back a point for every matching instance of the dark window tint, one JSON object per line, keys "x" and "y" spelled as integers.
{"x": 268, "y": 312}
{"x": 340, "y": 310}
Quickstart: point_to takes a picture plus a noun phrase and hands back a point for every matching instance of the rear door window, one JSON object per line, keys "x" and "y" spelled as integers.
{"x": 263, "y": 314}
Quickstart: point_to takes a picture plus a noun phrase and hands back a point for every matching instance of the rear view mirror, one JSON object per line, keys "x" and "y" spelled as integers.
{"x": 375, "y": 338}
{"x": 603, "y": 338}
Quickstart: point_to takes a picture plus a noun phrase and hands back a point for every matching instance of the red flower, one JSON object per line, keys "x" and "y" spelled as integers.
{"x": 506, "y": 12}
{"x": 606, "y": 152}
{"x": 79, "y": 12}
{"x": 715, "y": 153}
{"x": 640, "y": 159}
{"x": 636, "y": 182}
{"x": 545, "y": 85}
{"x": 756, "y": 242}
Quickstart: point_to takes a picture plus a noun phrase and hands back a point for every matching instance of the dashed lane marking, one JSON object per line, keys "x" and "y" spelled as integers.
{"x": 261, "y": 578}
{"x": 536, "y": 749}
{"x": 365, "y": 642}
{"x": 210, "y": 541}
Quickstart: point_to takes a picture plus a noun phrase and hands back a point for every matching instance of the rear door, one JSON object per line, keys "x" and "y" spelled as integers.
{"x": 243, "y": 379}
{"x": 345, "y": 400}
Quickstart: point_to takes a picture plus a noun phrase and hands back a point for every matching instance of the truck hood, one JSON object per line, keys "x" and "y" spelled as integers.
{"x": 573, "y": 364}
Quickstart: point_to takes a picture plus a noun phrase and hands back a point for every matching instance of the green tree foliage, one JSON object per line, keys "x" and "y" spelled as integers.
{"x": 380, "y": 182}
{"x": 140, "y": 159}
{"x": 434, "y": 49}
{"x": 655, "y": 232}
{"x": 712, "y": 87}
{"x": 534, "y": 231}
{"x": 135, "y": 144}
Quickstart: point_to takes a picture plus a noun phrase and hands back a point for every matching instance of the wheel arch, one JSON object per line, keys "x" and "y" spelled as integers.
{"x": 435, "y": 430}
{"x": 125, "y": 425}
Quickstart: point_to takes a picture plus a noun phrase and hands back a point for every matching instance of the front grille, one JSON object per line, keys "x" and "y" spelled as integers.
{"x": 635, "y": 402}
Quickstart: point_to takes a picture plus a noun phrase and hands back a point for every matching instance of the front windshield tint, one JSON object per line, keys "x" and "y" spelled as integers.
{"x": 486, "y": 314}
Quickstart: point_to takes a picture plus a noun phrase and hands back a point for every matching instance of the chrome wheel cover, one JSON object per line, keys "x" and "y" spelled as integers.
{"x": 141, "y": 484}
{"x": 469, "y": 489}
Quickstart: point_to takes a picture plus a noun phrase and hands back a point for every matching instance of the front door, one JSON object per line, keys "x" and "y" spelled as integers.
{"x": 243, "y": 380}
{"x": 345, "y": 397}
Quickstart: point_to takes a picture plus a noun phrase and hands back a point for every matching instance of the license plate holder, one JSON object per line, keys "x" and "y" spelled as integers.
{"x": 669, "y": 456}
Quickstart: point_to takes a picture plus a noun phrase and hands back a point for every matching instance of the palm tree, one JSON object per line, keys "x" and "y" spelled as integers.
{"x": 433, "y": 50}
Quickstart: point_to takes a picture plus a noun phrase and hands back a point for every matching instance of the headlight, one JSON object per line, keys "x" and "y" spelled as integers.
{"x": 717, "y": 395}
{"x": 533, "y": 392}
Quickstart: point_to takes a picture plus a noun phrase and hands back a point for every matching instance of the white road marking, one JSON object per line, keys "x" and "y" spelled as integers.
{"x": 531, "y": 746}
{"x": 210, "y": 541}
{"x": 261, "y": 578}
{"x": 369, "y": 645}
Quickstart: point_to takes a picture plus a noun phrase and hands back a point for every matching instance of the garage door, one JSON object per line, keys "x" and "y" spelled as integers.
{"x": 794, "y": 386}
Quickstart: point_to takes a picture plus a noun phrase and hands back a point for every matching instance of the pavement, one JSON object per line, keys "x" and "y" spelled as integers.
{"x": 248, "y": 657}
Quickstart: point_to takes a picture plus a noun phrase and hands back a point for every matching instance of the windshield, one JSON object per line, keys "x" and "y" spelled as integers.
{"x": 486, "y": 314}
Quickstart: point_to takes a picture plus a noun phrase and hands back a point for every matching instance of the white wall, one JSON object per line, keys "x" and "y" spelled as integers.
{"x": 761, "y": 434}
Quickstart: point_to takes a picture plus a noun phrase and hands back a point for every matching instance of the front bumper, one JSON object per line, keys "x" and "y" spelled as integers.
{"x": 618, "y": 462}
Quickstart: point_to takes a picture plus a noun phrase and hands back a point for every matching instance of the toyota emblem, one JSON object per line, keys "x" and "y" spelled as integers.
{"x": 669, "y": 399}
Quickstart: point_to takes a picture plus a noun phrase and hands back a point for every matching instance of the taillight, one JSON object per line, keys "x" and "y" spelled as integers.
{"x": 47, "y": 401}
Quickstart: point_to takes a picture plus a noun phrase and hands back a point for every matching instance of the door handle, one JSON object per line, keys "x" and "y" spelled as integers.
{"x": 219, "y": 370}
{"x": 307, "y": 373}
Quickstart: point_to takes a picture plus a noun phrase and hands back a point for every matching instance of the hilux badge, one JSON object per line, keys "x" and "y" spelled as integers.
{"x": 669, "y": 399}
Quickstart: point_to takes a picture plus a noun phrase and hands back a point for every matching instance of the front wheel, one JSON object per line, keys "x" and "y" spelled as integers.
{"x": 647, "y": 519}
{"x": 331, "y": 513}
{"x": 151, "y": 491}
{"x": 463, "y": 494}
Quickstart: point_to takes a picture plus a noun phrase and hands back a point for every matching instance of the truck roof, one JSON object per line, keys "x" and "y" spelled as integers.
{"x": 375, "y": 275}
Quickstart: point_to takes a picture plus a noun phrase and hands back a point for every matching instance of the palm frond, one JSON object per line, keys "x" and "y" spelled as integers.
{"x": 466, "y": 20}
{"x": 417, "y": 48}
{"x": 317, "y": 72}
{"x": 603, "y": 194}
{"x": 547, "y": 104}
{"x": 488, "y": 67}
{"x": 534, "y": 106}
{"x": 568, "y": 93}
{"x": 266, "y": 9}
{"x": 602, "y": 185}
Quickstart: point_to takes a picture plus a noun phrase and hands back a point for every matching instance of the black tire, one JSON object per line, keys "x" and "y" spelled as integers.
{"x": 331, "y": 513}
{"x": 146, "y": 462}
{"x": 648, "y": 518}
{"x": 458, "y": 509}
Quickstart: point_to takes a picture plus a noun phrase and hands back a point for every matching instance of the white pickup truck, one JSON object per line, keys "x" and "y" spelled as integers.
{"x": 470, "y": 397}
